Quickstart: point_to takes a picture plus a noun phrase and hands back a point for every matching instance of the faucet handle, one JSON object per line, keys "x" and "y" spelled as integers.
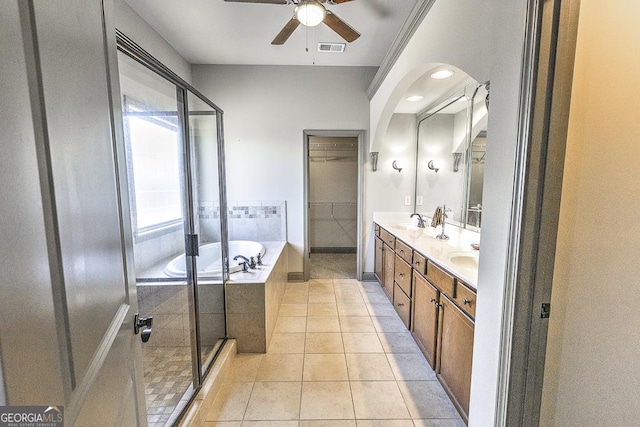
{"x": 259, "y": 261}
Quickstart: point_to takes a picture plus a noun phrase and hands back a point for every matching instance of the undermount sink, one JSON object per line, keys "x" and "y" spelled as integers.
{"x": 407, "y": 227}
{"x": 464, "y": 259}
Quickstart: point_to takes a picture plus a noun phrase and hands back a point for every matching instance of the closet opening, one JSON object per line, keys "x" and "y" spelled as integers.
{"x": 333, "y": 208}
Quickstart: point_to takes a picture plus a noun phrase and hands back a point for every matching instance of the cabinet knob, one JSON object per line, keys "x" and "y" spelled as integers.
{"x": 466, "y": 301}
{"x": 401, "y": 251}
{"x": 400, "y": 304}
{"x": 416, "y": 262}
{"x": 401, "y": 274}
{"x": 432, "y": 300}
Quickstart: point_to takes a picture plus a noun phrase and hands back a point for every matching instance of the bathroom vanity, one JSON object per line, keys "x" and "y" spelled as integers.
{"x": 432, "y": 285}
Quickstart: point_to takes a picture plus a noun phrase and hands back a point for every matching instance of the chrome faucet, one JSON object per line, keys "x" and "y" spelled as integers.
{"x": 246, "y": 263}
{"x": 420, "y": 219}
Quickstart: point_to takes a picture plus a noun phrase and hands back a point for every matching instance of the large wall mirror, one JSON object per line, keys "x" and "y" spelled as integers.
{"x": 451, "y": 124}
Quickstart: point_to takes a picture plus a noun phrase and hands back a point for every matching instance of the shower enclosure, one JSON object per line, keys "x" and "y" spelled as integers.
{"x": 175, "y": 174}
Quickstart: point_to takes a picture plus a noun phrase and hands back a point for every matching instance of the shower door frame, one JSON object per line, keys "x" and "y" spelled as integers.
{"x": 128, "y": 47}
{"x": 360, "y": 134}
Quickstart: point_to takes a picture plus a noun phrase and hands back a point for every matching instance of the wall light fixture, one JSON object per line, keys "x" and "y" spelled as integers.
{"x": 432, "y": 166}
{"x": 395, "y": 166}
{"x": 374, "y": 160}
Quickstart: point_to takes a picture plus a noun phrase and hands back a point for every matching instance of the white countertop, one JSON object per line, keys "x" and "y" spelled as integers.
{"x": 454, "y": 255}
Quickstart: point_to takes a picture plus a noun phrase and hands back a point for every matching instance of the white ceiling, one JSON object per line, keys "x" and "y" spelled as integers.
{"x": 220, "y": 32}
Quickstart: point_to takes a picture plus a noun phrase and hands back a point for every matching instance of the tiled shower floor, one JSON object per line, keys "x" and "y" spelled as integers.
{"x": 167, "y": 375}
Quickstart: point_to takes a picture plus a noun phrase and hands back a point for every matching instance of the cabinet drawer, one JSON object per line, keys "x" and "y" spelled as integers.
{"x": 402, "y": 304}
{"x": 466, "y": 299}
{"x": 376, "y": 229}
{"x": 404, "y": 251}
{"x": 419, "y": 263}
{"x": 388, "y": 238}
{"x": 441, "y": 279}
{"x": 403, "y": 275}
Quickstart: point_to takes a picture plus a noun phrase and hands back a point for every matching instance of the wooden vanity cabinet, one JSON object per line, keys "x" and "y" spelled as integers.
{"x": 455, "y": 351}
{"x": 389, "y": 259}
{"x": 378, "y": 266}
{"x": 424, "y": 325}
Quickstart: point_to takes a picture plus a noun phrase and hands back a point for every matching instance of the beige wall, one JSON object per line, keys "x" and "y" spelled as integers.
{"x": 592, "y": 375}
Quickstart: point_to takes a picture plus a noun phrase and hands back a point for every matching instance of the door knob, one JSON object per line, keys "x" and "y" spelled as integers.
{"x": 142, "y": 324}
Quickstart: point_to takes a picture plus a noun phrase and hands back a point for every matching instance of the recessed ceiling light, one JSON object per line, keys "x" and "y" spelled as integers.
{"x": 415, "y": 98}
{"x": 442, "y": 74}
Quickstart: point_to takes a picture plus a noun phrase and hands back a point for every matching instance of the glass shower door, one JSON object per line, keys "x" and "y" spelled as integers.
{"x": 209, "y": 208}
{"x": 155, "y": 172}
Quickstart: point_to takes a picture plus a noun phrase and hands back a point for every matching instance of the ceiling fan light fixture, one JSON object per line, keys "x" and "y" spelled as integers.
{"x": 310, "y": 13}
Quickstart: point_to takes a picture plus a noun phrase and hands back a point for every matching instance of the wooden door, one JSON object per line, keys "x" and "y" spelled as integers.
{"x": 455, "y": 343}
{"x": 425, "y": 317}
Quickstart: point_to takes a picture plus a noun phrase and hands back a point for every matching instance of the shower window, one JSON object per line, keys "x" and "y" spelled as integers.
{"x": 154, "y": 157}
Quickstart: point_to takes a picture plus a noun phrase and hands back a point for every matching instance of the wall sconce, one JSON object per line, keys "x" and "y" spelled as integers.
{"x": 431, "y": 166}
{"x": 374, "y": 160}
{"x": 395, "y": 166}
{"x": 456, "y": 161}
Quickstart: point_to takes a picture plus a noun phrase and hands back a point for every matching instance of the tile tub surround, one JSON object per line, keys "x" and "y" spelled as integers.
{"x": 360, "y": 381}
{"x": 254, "y": 299}
{"x": 439, "y": 251}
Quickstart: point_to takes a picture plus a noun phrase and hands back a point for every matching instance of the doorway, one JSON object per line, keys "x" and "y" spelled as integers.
{"x": 333, "y": 201}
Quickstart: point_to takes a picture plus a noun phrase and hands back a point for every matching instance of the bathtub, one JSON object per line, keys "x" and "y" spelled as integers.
{"x": 209, "y": 261}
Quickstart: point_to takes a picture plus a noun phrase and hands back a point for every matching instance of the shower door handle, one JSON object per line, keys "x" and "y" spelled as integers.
{"x": 142, "y": 324}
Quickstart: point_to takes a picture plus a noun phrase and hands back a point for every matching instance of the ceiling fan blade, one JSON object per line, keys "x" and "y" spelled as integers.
{"x": 260, "y": 1}
{"x": 288, "y": 29}
{"x": 343, "y": 29}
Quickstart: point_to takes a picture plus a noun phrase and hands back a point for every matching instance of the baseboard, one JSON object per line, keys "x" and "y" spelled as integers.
{"x": 369, "y": 277}
{"x": 295, "y": 276}
{"x": 334, "y": 250}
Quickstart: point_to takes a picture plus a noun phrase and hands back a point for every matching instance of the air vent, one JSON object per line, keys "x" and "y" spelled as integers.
{"x": 331, "y": 47}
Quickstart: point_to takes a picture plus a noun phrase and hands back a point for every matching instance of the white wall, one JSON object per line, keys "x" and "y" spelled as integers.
{"x": 266, "y": 110}
{"x": 137, "y": 29}
{"x": 487, "y": 43}
{"x": 592, "y": 372}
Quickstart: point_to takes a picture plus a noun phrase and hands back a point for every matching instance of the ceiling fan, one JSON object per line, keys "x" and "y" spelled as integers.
{"x": 310, "y": 13}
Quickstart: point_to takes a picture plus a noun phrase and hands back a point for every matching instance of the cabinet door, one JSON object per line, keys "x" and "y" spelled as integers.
{"x": 425, "y": 317}
{"x": 402, "y": 274}
{"x": 379, "y": 261}
{"x": 402, "y": 304}
{"x": 388, "y": 271}
{"x": 455, "y": 343}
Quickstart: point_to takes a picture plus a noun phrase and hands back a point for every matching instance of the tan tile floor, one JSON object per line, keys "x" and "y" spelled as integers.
{"x": 339, "y": 356}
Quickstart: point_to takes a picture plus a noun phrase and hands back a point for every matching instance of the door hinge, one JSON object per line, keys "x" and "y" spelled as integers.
{"x": 545, "y": 310}
{"x": 192, "y": 245}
